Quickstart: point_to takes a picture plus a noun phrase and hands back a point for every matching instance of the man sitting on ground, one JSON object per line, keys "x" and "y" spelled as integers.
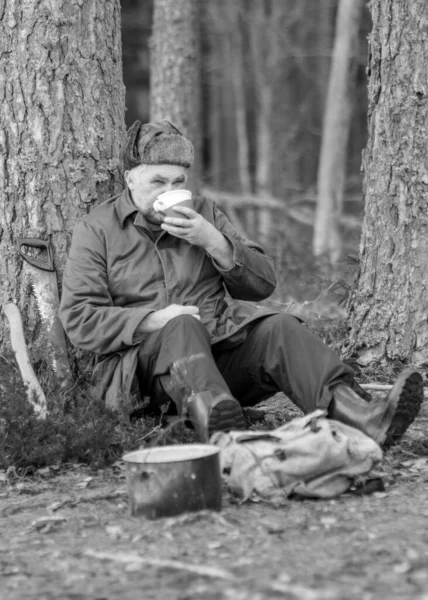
{"x": 166, "y": 303}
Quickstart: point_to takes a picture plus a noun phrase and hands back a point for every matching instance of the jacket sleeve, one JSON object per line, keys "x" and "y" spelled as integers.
{"x": 252, "y": 276}
{"x": 87, "y": 313}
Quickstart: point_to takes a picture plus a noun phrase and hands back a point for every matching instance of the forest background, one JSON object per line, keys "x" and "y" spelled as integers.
{"x": 345, "y": 217}
{"x": 264, "y": 77}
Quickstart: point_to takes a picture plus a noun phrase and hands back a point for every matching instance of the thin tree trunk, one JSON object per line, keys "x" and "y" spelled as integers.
{"x": 264, "y": 54}
{"x": 325, "y": 40}
{"x": 61, "y": 126}
{"x": 215, "y": 139}
{"x": 264, "y": 140}
{"x": 175, "y": 72}
{"x": 390, "y": 304}
{"x": 237, "y": 58}
{"x": 214, "y": 110}
{"x": 336, "y": 125}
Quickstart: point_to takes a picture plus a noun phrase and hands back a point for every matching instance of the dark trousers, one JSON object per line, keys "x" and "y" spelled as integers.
{"x": 278, "y": 354}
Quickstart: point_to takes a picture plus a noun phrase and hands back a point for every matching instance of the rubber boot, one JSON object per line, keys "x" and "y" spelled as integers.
{"x": 385, "y": 421}
{"x": 209, "y": 413}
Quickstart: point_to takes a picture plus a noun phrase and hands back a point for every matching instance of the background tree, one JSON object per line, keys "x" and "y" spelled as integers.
{"x": 61, "y": 125}
{"x": 389, "y": 306}
{"x": 175, "y": 71}
{"x": 336, "y": 127}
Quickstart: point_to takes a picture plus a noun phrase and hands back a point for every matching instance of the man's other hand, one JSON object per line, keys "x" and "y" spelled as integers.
{"x": 158, "y": 319}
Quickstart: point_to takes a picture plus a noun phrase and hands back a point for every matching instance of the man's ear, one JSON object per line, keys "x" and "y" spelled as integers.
{"x": 128, "y": 178}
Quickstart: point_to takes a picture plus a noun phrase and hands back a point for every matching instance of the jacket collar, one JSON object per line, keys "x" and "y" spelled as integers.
{"x": 126, "y": 208}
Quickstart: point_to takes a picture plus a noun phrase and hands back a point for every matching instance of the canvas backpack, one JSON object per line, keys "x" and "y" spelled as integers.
{"x": 311, "y": 456}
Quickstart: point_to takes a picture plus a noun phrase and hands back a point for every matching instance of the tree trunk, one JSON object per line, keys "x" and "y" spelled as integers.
{"x": 264, "y": 46}
{"x": 389, "y": 305}
{"x": 235, "y": 45}
{"x": 264, "y": 142}
{"x": 325, "y": 33}
{"x": 336, "y": 125}
{"x": 175, "y": 72}
{"x": 61, "y": 126}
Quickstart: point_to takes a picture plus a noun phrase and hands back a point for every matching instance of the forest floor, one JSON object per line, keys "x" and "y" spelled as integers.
{"x": 66, "y": 533}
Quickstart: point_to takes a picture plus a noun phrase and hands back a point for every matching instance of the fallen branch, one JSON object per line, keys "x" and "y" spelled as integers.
{"x": 114, "y": 495}
{"x": 136, "y": 560}
{"x": 301, "y": 214}
{"x": 383, "y": 387}
{"x": 300, "y": 592}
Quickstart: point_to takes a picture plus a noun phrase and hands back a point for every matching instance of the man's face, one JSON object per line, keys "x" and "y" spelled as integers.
{"x": 146, "y": 182}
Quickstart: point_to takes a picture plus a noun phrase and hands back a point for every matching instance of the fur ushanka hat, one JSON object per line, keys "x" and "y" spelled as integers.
{"x": 159, "y": 143}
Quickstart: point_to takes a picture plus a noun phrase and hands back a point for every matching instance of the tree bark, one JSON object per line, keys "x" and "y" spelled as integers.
{"x": 389, "y": 306}
{"x": 336, "y": 125}
{"x": 175, "y": 72}
{"x": 61, "y": 126}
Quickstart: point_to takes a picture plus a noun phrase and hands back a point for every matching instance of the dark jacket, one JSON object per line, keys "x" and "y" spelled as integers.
{"x": 117, "y": 273}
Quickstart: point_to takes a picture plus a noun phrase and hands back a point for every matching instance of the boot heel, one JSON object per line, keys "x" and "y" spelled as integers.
{"x": 410, "y": 390}
{"x": 225, "y": 416}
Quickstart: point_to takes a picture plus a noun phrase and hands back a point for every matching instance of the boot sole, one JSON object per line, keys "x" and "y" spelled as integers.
{"x": 226, "y": 416}
{"x": 411, "y": 395}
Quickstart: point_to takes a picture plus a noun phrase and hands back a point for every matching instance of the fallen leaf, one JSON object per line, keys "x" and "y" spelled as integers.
{"x": 119, "y": 465}
{"x": 419, "y": 576}
{"x": 283, "y": 578}
{"x": 415, "y": 463}
{"x": 114, "y": 531}
{"x": 328, "y": 521}
{"x": 84, "y": 483}
{"x": 55, "y": 506}
{"x": 45, "y": 524}
{"x": 412, "y": 554}
{"x": 402, "y": 568}
{"x": 9, "y": 570}
{"x": 44, "y": 471}
{"x": 273, "y": 526}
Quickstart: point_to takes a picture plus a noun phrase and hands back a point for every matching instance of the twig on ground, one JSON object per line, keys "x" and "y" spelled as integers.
{"x": 45, "y": 524}
{"x": 300, "y": 592}
{"x": 384, "y": 387}
{"x": 70, "y": 501}
{"x": 92, "y": 498}
{"x": 136, "y": 559}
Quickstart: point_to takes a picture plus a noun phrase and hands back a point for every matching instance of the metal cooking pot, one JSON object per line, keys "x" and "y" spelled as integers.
{"x": 169, "y": 480}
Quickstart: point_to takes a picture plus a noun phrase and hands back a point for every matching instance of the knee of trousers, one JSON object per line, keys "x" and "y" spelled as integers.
{"x": 281, "y": 324}
{"x": 186, "y": 324}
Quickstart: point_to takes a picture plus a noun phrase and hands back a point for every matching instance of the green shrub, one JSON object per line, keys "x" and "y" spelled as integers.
{"x": 86, "y": 431}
